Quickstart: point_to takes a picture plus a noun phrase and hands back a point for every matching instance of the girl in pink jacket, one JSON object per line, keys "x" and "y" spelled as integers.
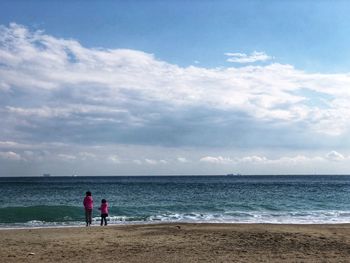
{"x": 104, "y": 211}
{"x": 88, "y": 205}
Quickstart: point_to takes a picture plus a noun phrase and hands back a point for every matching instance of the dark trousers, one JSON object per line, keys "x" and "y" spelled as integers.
{"x": 104, "y": 219}
{"x": 88, "y": 216}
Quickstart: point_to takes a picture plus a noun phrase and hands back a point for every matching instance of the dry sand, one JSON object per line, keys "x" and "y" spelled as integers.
{"x": 179, "y": 243}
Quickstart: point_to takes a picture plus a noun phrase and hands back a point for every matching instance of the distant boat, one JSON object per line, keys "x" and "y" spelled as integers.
{"x": 46, "y": 175}
{"x": 74, "y": 175}
{"x": 233, "y": 174}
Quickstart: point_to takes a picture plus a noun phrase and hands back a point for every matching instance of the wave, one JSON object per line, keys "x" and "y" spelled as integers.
{"x": 40, "y": 213}
{"x": 296, "y": 217}
{"x": 73, "y": 216}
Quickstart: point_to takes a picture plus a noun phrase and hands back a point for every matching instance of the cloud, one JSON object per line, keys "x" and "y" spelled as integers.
{"x": 10, "y": 156}
{"x": 182, "y": 160}
{"x": 151, "y": 162}
{"x": 265, "y": 161}
{"x": 138, "y": 162}
{"x": 131, "y": 160}
{"x": 335, "y": 156}
{"x": 8, "y": 144}
{"x": 244, "y": 58}
{"x": 56, "y": 90}
{"x": 114, "y": 159}
{"x": 234, "y": 160}
{"x": 87, "y": 156}
{"x": 253, "y": 159}
{"x": 216, "y": 160}
{"x": 66, "y": 157}
{"x": 154, "y": 162}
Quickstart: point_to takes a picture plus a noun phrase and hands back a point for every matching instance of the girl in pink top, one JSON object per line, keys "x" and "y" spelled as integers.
{"x": 88, "y": 205}
{"x": 104, "y": 211}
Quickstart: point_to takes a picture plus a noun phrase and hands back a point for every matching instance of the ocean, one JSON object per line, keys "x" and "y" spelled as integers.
{"x": 57, "y": 201}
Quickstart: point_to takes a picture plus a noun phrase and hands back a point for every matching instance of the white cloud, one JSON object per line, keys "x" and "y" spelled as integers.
{"x": 263, "y": 160}
{"x": 244, "y": 58}
{"x": 77, "y": 86}
{"x": 335, "y": 156}
{"x": 253, "y": 159}
{"x": 216, "y": 160}
{"x": 298, "y": 159}
{"x": 16, "y": 145}
{"x": 6, "y": 144}
{"x": 138, "y": 162}
{"x": 87, "y": 155}
{"x": 114, "y": 159}
{"x": 182, "y": 160}
{"x": 66, "y": 157}
{"x": 234, "y": 160}
{"x": 102, "y": 159}
{"x": 100, "y": 79}
{"x": 151, "y": 161}
{"x": 154, "y": 162}
{"x": 10, "y": 156}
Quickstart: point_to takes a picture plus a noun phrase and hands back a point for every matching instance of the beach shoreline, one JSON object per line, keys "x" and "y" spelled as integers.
{"x": 179, "y": 242}
{"x": 150, "y": 223}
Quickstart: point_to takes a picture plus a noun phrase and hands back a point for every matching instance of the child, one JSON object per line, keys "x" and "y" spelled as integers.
{"x": 88, "y": 205}
{"x": 104, "y": 211}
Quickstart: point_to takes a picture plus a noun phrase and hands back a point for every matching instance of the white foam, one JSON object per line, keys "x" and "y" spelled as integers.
{"x": 301, "y": 217}
{"x": 288, "y": 217}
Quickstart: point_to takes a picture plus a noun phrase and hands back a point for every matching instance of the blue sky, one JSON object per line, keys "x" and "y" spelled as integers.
{"x": 174, "y": 87}
{"x": 311, "y": 35}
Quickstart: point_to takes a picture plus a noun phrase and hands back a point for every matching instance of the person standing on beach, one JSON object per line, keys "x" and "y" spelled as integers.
{"x": 104, "y": 211}
{"x": 88, "y": 205}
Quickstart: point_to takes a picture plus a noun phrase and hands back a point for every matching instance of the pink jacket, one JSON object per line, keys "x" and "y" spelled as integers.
{"x": 88, "y": 202}
{"x": 104, "y": 208}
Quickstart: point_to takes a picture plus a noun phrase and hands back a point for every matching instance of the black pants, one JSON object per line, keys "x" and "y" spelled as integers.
{"x": 88, "y": 216}
{"x": 104, "y": 219}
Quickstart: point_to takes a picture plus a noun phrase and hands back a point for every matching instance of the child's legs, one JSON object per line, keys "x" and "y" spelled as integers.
{"x": 104, "y": 219}
{"x": 88, "y": 216}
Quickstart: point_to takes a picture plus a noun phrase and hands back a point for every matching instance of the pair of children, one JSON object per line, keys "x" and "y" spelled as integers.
{"x": 89, "y": 204}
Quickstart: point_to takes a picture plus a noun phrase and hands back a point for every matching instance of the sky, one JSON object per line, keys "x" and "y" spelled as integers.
{"x": 174, "y": 87}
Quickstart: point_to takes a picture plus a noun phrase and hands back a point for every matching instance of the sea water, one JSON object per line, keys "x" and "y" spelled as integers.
{"x": 57, "y": 201}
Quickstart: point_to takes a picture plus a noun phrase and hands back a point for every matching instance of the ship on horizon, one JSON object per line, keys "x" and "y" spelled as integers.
{"x": 238, "y": 174}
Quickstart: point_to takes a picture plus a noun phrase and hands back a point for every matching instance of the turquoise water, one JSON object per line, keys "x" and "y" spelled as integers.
{"x": 57, "y": 201}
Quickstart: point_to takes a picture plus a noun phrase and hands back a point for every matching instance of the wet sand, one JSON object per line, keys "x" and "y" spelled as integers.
{"x": 179, "y": 243}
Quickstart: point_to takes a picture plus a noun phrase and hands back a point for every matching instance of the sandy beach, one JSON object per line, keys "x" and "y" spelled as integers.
{"x": 179, "y": 243}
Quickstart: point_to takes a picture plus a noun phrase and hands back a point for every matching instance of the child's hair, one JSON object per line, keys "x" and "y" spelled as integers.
{"x": 88, "y": 193}
{"x": 103, "y": 201}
